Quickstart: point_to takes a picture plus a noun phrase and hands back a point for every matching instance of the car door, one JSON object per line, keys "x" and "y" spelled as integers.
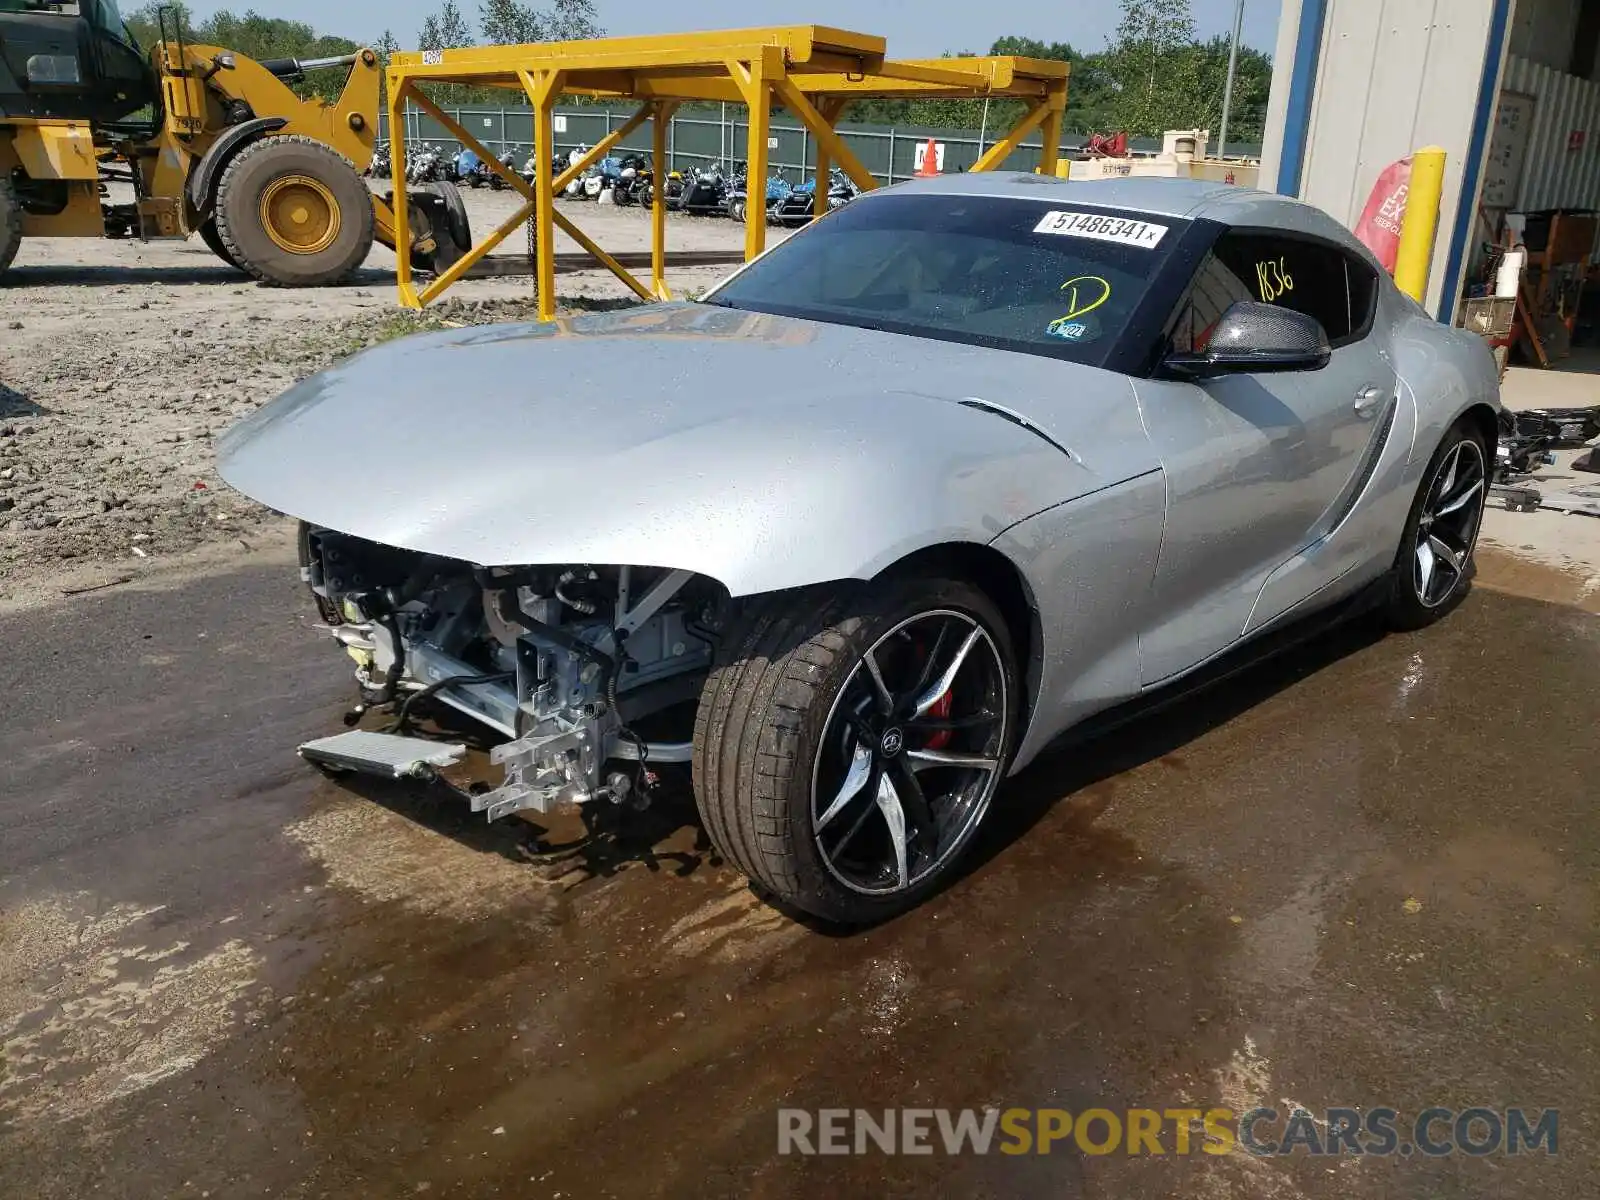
{"x": 1258, "y": 466}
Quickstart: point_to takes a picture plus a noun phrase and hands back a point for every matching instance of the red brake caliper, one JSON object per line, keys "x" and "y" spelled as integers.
{"x": 941, "y": 709}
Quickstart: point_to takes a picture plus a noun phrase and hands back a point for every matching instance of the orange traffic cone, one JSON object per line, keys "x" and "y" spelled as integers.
{"x": 930, "y": 161}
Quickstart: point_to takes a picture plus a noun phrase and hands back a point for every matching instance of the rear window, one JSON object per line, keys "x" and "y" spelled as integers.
{"x": 1057, "y": 279}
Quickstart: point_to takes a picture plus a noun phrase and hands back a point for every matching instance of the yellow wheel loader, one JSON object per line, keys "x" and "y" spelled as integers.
{"x": 202, "y": 141}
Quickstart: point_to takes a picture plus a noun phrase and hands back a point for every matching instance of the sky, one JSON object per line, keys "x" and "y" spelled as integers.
{"x": 914, "y": 28}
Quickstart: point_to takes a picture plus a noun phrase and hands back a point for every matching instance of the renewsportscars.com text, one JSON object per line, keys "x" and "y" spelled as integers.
{"x": 1378, "y": 1131}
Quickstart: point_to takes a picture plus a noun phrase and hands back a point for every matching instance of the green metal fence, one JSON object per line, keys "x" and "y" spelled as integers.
{"x": 701, "y": 137}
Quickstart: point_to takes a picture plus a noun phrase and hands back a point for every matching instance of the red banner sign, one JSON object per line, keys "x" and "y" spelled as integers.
{"x": 1385, "y": 213}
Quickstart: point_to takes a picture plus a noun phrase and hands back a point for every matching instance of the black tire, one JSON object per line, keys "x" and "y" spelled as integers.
{"x": 781, "y": 667}
{"x": 455, "y": 209}
{"x": 1406, "y": 607}
{"x": 738, "y": 211}
{"x": 322, "y": 259}
{"x": 213, "y": 240}
{"x": 10, "y": 223}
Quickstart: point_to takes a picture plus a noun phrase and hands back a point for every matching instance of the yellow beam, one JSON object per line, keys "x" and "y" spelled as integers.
{"x": 611, "y": 264}
{"x": 1420, "y": 224}
{"x": 829, "y": 109}
{"x": 658, "y": 198}
{"x": 398, "y": 91}
{"x": 542, "y": 88}
{"x": 800, "y": 43}
{"x": 827, "y": 140}
{"x": 755, "y": 80}
{"x": 490, "y": 159}
{"x": 601, "y": 148}
{"x": 475, "y": 255}
{"x": 1050, "y": 130}
{"x": 996, "y": 155}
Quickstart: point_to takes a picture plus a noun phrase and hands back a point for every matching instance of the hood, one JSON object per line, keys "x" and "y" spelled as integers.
{"x": 748, "y": 447}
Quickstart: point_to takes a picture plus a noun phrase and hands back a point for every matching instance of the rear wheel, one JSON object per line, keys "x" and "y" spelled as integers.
{"x": 10, "y": 223}
{"x": 848, "y": 745}
{"x": 294, "y": 213}
{"x": 1433, "y": 569}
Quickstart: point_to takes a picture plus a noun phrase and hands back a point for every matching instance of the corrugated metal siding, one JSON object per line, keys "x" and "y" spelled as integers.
{"x": 1552, "y": 175}
{"x": 1394, "y": 76}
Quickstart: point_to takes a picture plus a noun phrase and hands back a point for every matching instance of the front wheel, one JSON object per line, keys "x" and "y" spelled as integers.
{"x": 849, "y": 743}
{"x": 1433, "y": 569}
{"x": 213, "y": 240}
{"x": 294, "y": 213}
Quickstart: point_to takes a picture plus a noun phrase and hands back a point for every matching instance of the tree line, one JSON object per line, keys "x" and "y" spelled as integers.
{"x": 1154, "y": 74}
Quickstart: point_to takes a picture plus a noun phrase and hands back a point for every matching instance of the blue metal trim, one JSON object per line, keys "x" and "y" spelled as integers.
{"x": 1302, "y": 90}
{"x": 1472, "y": 174}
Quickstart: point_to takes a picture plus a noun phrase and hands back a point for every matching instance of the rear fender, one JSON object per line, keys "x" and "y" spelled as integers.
{"x": 202, "y": 187}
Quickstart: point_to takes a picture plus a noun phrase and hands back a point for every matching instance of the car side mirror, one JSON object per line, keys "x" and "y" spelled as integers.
{"x": 1254, "y": 338}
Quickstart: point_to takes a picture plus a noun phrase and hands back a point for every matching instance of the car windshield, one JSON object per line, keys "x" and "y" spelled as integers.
{"x": 1042, "y": 277}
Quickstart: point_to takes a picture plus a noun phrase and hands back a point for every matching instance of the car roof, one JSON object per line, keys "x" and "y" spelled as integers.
{"x": 1226, "y": 203}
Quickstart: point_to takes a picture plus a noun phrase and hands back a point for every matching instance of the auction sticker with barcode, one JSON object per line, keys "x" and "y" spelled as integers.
{"x": 1101, "y": 228}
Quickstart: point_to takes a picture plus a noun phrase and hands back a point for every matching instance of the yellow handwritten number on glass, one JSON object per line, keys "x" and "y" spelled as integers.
{"x": 1084, "y": 294}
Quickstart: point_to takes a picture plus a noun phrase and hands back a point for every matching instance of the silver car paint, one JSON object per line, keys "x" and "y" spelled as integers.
{"x": 640, "y": 438}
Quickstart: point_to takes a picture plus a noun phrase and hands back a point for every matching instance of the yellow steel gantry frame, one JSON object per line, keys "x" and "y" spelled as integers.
{"x": 812, "y": 71}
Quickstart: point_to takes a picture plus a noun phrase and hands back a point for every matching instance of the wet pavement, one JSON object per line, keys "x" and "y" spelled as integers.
{"x": 1363, "y": 874}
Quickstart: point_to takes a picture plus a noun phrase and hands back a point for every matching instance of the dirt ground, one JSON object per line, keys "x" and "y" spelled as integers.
{"x": 120, "y": 361}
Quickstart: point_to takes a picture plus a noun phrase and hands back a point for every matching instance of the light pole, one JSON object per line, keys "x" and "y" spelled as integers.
{"x": 1233, "y": 67}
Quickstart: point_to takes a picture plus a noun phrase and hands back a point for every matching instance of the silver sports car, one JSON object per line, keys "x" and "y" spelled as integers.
{"x": 962, "y": 465}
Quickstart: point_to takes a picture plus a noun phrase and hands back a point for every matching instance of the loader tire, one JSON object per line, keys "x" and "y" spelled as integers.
{"x": 213, "y": 241}
{"x": 295, "y": 213}
{"x": 10, "y": 223}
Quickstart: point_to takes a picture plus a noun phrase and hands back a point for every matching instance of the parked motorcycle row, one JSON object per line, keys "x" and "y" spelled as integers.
{"x": 699, "y": 191}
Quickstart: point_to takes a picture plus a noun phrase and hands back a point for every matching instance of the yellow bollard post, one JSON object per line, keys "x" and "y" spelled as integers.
{"x": 1421, "y": 224}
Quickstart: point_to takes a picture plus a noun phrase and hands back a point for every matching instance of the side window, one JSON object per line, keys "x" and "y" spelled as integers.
{"x": 1216, "y": 288}
{"x": 1308, "y": 276}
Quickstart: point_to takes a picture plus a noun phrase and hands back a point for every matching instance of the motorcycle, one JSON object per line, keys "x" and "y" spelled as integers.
{"x": 578, "y": 189}
{"x": 379, "y": 167}
{"x": 796, "y": 208}
{"x": 778, "y": 188}
{"x": 468, "y": 168}
{"x": 634, "y": 181}
{"x": 602, "y": 176}
{"x": 706, "y": 192}
{"x": 497, "y": 182}
{"x": 422, "y": 166}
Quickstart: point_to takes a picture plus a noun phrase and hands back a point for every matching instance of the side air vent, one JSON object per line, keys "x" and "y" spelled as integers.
{"x": 1019, "y": 420}
{"x": 1369, "y": 468}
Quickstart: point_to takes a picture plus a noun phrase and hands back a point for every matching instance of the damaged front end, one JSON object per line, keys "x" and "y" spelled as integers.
{"x": 590, "y": 672}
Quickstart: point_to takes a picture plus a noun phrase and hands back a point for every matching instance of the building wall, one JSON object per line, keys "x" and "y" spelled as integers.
{"x": 1542, "y": 31}
{"x": 1557, "y": 173}
{"x": 1376, "y": 80}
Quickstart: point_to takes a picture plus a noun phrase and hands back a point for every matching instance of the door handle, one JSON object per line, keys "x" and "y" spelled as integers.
{"x": 1367, "y": 401}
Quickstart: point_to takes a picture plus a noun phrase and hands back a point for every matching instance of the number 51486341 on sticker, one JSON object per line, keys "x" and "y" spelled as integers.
{"x": 1101, "y": 228}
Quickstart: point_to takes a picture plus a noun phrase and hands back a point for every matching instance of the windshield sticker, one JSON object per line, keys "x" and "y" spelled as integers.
{"x": 1084, "y": 329}
{"x": 1099, "y": 228}
{"x": 1273, "y": 279}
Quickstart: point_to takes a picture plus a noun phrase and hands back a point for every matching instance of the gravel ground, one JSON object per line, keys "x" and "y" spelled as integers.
{"x": 121, "y": 361}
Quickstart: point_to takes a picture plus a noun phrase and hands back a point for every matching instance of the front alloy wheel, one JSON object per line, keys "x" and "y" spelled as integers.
{"x": 850, "y": 740}
{"x": 903, "y": 776}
